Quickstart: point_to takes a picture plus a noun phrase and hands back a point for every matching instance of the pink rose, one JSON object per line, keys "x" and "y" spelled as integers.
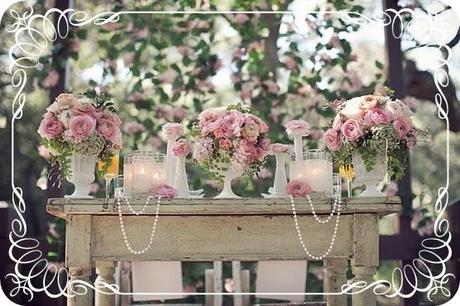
{"x": 50, "y": 127}
{"x": 87, "y": 109}
{"x": 163, "y": 191}
{"x": 332, "y": 139}
{"x": 247, "y": 149}
{"x": 280, "y": 148}
{"x": 181, "y": 148}
{"x": 263, "y": 127}
{"x": 108, "y": 126}
{"x": 82, "y": 126}
{"x": 402, "y": 125}
{"x": 219, "y": 133}
{"x": 297, "y": 127}
{"x": 232, "y": 124}
{"x": 376, "y": 116}
{"x": 225, "y": 144}
{"x": 351, "y": 129}
{"x": 173, "y": 129}
{"x": 298, "y": 189}
{"x": 337, "y": 123}
{"x": 368, "y": 102}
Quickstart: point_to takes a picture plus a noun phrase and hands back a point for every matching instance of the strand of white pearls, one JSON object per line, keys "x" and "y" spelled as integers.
{"x": 137, "y": 213}
{"x": 152, "y": 233}
{"x": 299, "y": 234}
{"x": 333, "y": 210}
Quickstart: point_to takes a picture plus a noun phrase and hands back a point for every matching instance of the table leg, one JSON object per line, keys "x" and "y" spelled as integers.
{"x": 77, "y": 296}
{"x": 78, "y": 260}
{"x": 336, "y": 276}
{"x": 365, "y": 256}
{"x": 105, "y": 271}
{"x": 365, "y": 298}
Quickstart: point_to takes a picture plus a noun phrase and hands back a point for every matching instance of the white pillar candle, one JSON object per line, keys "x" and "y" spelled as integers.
{"x": 318, "y": 174}
{"x": 158, "y": 174}
{"x": 142, "y": 177}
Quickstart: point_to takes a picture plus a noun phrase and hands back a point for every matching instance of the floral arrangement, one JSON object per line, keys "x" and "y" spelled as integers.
{"x": 89, "y": 126}
{"x": 370, "y": 124}
{"x": 227, "y": 136}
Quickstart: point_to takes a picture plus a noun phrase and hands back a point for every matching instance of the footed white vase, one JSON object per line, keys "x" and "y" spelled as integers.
{"x": 229, "y": 175}
{"x": 370, "y": 178}
{"x": 82, "y": 175}
{"x": 180, "y": 179}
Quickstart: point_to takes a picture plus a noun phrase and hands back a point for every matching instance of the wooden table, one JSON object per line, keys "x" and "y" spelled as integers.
{"x": 223, "y": 229}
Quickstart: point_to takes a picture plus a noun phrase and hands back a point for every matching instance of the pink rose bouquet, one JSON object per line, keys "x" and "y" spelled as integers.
{"x": 371, "y": 124}
{"x": 80, "y": 124}
{"x": 225, "y": 136}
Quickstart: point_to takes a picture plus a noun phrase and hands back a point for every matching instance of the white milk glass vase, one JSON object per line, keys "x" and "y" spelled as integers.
{"x": 180, "y": 179}
{"x": 280, "y": 181}
{"x": 170, "y": 159}
{"x": 370, "y": 178}
{"x": 82, "y": 174}
{"x": 229, "y": 175}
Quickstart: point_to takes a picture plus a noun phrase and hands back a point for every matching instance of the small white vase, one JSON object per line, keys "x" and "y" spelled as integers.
{"x": 229, "y": 175}
{"x": 82, "y": 174}
{"x": 170, "y": 160}
{"x": 280, "y": 181}
{"x": 180, "y": 179}
{"x": 298, "y": 147}
{"x": 370, "y": 178}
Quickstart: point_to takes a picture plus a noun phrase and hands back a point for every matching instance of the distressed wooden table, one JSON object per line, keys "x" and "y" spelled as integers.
{"x": 223, "y": 229}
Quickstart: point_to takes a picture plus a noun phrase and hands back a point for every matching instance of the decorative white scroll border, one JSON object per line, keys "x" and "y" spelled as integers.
{"x": 23, "y": 26}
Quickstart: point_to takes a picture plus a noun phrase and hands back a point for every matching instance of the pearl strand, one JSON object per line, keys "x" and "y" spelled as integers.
{"x": 137, "y": 213}
{"x": 152, "y": 233}
{"x": 299, "y": 234}
{"x": 326, "y": 220}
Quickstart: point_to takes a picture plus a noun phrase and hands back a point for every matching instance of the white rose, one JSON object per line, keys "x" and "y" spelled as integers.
{"x": 397, "y": 108}
{"x": 352, "y": 109}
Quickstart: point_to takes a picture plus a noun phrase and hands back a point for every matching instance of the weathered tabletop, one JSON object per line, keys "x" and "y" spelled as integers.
{"x": 223, "y": 229}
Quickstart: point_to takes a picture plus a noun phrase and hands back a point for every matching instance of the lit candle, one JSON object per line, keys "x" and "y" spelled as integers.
{"x": 142, "y": 177}
{"x": 158, "y": 173}
{"x": 318, "y": 174}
